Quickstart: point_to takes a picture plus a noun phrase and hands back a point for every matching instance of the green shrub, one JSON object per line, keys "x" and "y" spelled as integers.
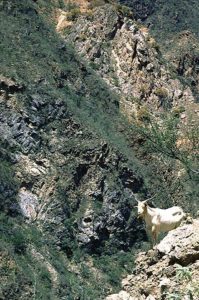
{"x": 73, "y": 14}
{"x": 95, "y": 3}
{"x": 114, "y": 267}
{"x": 143, "y": 114}
{"x": 94, "y": 65}
{"x": 178, "y": 110}
{"x": 161, "y": 92}
{"x": 144, "y": 88}
{"x": 71, "y": 5}
{"x": 173, "y": 296}
{"x": 45, "y": 277}
{"x": 82, "y": 37}
{"x": 19, "y": 241}
{"x": 8, "y": 185}
{"x": 61, "y": 4}
{"x": 159, "y": 145}
{"x": 153, "y": 43}
{"x": 183, "y": 273}
{"x": 124, "y": 10}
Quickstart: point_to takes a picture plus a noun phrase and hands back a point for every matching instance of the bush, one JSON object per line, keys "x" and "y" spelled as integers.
{"x": 160, "y": 146}
{"x": 153, "y": 43}
{"x": 178, "y": 110}
{"x": 71, "y": 5}
{"x": 19, "y": 241}
{"x": 8, "y": 186}
{"x": 143, "y": 114}
{"x": 61, "y": 4}
{"x": 144, "y": 89}
{"x": 113, "y": 267}
{"x": 95, "y": 3}
{"x": 124, "y": 10}
{"x": 45, "y": 277}
{"x": 161, "y": 92}
{"x": 73, "y": 14}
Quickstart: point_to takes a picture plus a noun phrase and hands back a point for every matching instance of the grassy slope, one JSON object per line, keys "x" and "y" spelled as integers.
{"x": 171, "y": 17}
{"x": 31, "y": 51}
{"x": 166, "y": 17}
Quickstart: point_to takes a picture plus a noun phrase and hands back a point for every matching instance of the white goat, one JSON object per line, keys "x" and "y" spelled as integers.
{"x": 159, "y": 220}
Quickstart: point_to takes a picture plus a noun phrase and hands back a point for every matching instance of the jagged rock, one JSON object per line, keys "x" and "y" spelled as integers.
{"x": 127, "y": 59}
{"x": 121, "y": 296}
{"x": 185, "y": 57}
{"x": 44, "y": 157}
{"x": 141, "y": 10}
{"x": 159, "y": 272}
{"x": 29, "y": 204}
{"x": 181, "y": 245}
{"x": 9, "y": 86}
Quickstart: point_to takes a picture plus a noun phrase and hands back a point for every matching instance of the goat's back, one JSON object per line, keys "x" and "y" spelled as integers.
{"x": 168, "y": 219}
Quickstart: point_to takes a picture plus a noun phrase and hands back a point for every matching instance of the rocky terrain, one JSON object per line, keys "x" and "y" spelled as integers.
{"x": 185, "y": 58}
{"x": 174, "y": 26}
{"x": 169, "y": 271}
{"x": 57, "y": 157}
{"x": 78, "y": 143}
{"x": 125, "y": 55}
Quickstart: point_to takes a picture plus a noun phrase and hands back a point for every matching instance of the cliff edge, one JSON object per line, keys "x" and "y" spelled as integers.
{"x": 169, "y": 271}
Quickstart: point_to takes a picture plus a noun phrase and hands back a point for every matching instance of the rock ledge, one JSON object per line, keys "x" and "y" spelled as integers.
{"x": 172, "y": 267}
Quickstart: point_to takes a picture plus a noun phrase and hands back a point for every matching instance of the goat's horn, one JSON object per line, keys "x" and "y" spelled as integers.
{"x": 136, "y": 199}
{"x": 149, "y": 198}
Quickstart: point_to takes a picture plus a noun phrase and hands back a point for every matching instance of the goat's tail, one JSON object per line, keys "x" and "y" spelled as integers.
{"x": 179, "y": 212}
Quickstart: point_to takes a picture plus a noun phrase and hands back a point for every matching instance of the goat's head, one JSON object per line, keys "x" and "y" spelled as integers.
{"x": 142, "y": 208}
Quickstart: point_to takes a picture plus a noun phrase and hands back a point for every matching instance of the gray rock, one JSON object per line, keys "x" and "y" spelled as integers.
{"x": 156, "y": 270}
{"x": 29, "y": 204}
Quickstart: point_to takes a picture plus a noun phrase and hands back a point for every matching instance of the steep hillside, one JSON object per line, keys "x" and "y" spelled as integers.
{"x": 166, "y": 18}
{"x": 79, "y": 138}
{"x": 127, "y": 58}
{"x": 172, "y": 23}
{"x": 63, "y": 183}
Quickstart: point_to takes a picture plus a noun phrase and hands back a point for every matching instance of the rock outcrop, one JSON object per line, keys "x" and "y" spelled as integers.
{"x": 171, "y": 269}
{"x": 185, "y": 58}
{"x": 55, "y": 158}
{"x": 125, "y": 55}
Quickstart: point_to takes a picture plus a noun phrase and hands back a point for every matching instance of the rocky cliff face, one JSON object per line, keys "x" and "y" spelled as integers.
{"x": 66, "y": 187}
{"x": 185, "y": 58}
{"x": 64, "y": 170}
{"x": 127, "y": 58}
{"x": 169, "y": 271}
{"x": 176, "y": 32}
{"x": 124, "y": 54}
{"x": 68, "y": 170}
{"x": 141, "y": 9}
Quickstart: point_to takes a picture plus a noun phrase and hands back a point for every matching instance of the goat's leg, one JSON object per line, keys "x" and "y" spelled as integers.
{"x": 149, "y": 234}
{"x": 148, "y": 230}
{"x": 154, "y": 235}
